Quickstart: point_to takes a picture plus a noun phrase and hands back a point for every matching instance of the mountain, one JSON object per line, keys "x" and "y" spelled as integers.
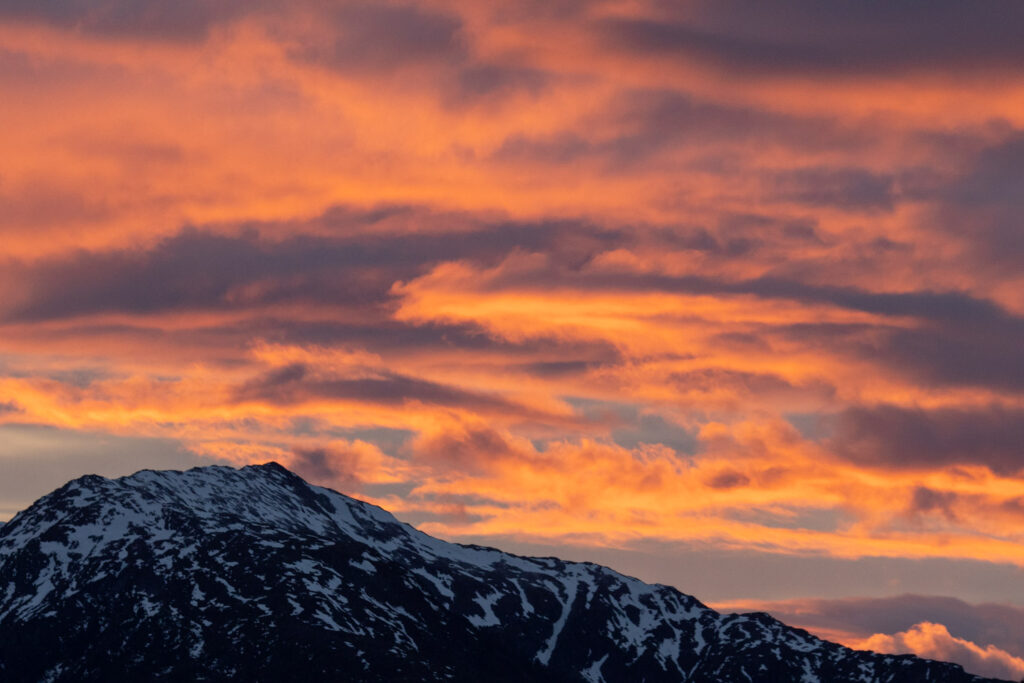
{"x": 253, "y": 574}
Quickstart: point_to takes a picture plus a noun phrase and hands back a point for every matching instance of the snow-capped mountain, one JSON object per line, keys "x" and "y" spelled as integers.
{"x": 253, "y": 574}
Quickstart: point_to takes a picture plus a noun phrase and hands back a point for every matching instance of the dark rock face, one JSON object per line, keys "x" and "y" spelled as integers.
{"x": 253, "y": 574}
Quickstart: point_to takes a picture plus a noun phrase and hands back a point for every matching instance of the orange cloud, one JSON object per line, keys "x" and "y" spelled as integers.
{"x": 935, "y": 642}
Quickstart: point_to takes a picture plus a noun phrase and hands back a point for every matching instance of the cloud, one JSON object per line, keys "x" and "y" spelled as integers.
{"x": 378, "y": 37}
{"x": 193, "y": 269}
{"x": 926, "y": 500}
{"x": 835, "y": 40}
{"x": 728, "y": 479}
{"x": 10, "y": 407}
{"x": 994, "y": 176}
{"x": 571, "y": 251}
{"x": 362, "y": 40}
{"x": 350, "y": 466}
{"x": 40, "y": 205}
{"x": 895, "y": 437}
{"x": 298, "y": 383}
{"x": 980, "y": 351}
{"x": 318, "y": 465}
{"x": 981, "y": 204}
{"x": 188, "y": 20}
{"x": 709, "y": 381}
{"x": 396, "y": 337}
{"x": 982, "y": 355}
{"x": 934, "y": 641}
{"x": 198, "y": 268}
{"x": 643, "y": 125}
{"x": 489, "y": 79}
{"x": 845, "y": 188}
{"x": 941, "y": 307}
{"x": 468, "y": 449}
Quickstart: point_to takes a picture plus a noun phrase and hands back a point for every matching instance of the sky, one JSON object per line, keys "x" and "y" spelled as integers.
{"x": 728, "y": 296}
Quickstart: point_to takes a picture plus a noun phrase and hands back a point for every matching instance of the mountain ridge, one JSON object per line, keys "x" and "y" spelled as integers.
{"x": 216, "y": 573}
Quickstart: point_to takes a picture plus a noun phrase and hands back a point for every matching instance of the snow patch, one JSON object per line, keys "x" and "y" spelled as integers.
{"x": 593, "y": 672}
{"x": 437, "y": 581}
{"x": 486, "y": 603}
{"x": 571, "y": 584}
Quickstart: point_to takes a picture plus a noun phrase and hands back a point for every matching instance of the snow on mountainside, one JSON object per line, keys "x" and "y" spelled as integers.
{"x": 225, "y": 574}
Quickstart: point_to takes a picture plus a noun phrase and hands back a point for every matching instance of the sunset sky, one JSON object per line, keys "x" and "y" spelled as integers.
{"x": 725, "y": 295}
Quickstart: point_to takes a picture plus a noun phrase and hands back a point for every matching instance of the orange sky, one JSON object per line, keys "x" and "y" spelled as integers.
{"x": 584, "y": 273}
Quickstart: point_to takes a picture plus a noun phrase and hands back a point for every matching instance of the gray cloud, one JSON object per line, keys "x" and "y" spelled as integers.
{"x": 299, "y": 383}
{"x": 493, "y": 79}
{"x": 968, "y": 356}
{"x": 182, "y": 20}
{"x": 378, "y": 37}
{"x": 9, "y": 408}
{"x": 926, "y": 500}
{"x": 897, "y": 437}
{"x": 728, "y": 479}
{"x": 844, "y": 188}
{"x": 983, "y": 353}
{"x": 326, "y": 467}
{"x": 843, "y": 38}
{"x": 984, "y": 204}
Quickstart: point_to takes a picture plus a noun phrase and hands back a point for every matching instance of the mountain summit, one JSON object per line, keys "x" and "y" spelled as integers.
{"x": 253, "y": 574}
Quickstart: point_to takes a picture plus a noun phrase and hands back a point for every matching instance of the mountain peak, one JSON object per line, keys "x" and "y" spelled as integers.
{"x": 217, "y": 573}
{"x": 271, "y": 466}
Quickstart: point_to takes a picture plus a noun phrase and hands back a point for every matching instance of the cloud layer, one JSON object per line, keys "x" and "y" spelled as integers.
{"x": 590, "y": 272}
